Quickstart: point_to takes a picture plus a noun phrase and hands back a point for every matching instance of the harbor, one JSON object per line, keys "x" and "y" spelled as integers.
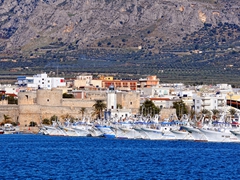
{"x": 149, "y": 129}
{"x": 104, "y": 107}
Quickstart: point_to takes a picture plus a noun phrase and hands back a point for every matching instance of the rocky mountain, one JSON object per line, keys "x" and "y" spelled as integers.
{"x": 123, "y": 33}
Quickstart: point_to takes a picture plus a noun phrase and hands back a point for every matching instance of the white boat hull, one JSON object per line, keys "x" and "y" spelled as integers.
{"x": 182, "y": 135}
{"x": 196, "y": 133}
{"x": 218, "y": 136}
{"x": 156, "y": 134}
{"x": 236, "y": 133}
{"x": 126, "y": 133}
{"x": 107, "y": 131}
{"x": 54, "y": 131}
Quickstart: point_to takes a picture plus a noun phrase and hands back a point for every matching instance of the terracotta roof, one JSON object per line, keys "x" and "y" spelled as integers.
{"x": 11, "y": 94}
{"x": 160, "y": 99}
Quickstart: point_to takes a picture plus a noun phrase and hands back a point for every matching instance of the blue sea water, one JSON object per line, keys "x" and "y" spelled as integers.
{"x": 46, "y": 157}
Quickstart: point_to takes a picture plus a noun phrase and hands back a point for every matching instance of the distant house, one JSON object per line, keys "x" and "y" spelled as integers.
{"x": 41, "y": 81}
{"x": 148, "y": 82}
{"x": 162, "y": 102}
{"x": 120, "y": 84}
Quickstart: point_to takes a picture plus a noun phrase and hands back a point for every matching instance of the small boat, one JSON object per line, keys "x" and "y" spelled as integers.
{"x": 9, "y": 129}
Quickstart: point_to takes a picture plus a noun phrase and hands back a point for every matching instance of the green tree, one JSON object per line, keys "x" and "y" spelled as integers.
{"x": 119, "y": 106}
{"x": 215, "y": 113}
{"x": 232, "y": 111}
{"x": 148, "y": 107}
{"x": 205, "y": 112}
{"x": 99, "y": 106}
{"x": 46, "y": 121}
{"x": 66, "y": 116}
{"x": 6, "y": 119}
{"x": 53, "y": 118}
{"x": 181, "y": 108}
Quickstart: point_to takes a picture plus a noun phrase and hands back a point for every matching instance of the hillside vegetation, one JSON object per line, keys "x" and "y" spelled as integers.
{"x": 195, "y": 41}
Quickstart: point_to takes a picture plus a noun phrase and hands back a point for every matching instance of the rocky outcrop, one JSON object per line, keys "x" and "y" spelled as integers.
{"x": 30, "y": 24}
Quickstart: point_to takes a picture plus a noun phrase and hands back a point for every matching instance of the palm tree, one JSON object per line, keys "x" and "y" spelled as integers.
{"x": 67, "y": 117}
{"x": 99, "y": 106}
{"x": 53, "y": 118}
{"x": 119, "y": 106}
{"x": 46, "y": 121}
{"x": 82, "y": 111}
{"x": 205, "y": 111}
{"x": 6, "y": 119}
{"x": 232, "y": 111}
{"x": 149, "y": 108}
{"x": 181, "y": 108}
{"x": 215, "y": 113}
{"x": 192, "y": 114}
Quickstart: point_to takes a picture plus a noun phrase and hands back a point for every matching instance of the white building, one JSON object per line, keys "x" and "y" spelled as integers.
{"x": 9, "y": 89}
{"x": 209, "y": 102}
{"x": 162, "y": 102}
{"x": 41, "y": 81}
{"x": 156, "y": 91}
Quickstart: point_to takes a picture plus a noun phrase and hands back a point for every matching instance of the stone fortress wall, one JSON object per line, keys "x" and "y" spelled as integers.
{"x": 129, "y": 100}
{"x": 35, "y": 106}
{"x": 40, "y": 104}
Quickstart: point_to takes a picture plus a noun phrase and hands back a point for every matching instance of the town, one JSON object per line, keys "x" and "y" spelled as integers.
{"x": 34, "y": 101}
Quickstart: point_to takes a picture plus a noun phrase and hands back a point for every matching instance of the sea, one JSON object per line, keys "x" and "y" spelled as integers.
{"x": 50, "y": 157}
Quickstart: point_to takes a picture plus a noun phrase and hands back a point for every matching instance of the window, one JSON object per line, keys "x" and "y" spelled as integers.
{"x": 47, "y": 100}
{"x": 130, "y": 103}
{"x": 197, "y": 107}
